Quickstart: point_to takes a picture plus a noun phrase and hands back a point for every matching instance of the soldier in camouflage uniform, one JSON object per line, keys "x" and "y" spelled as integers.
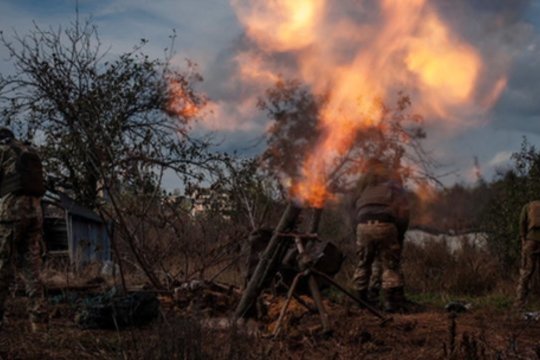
{"x": 529, "y": 229}
{"x": 379, "y": 203}
{"x": 21, "y": 230}
{"x": 375, "y": 281}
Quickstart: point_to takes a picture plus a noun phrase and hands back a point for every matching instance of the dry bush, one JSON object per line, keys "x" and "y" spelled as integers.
{"x": 425, "y": 266}
{"x": 163, "y": 243}
{"x": 434, "y": 268}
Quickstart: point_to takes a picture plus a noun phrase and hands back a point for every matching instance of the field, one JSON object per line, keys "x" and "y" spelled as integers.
{"x": 193, "y": 321}
{"x": 489, "y": 330}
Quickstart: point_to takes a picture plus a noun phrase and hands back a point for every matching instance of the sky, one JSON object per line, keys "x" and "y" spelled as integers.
{"x": 506, "y": 33}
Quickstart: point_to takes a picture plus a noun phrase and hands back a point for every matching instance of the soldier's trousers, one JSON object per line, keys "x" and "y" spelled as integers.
{"x": 378, "y": 242}
{"x": 530, "y": 255}
{"x": 376, "y": 269}
{"x": 20, "y": 250}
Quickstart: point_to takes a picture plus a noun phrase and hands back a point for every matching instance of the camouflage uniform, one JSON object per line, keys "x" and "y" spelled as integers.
{"x": 21, "y": 227}
{"x": 379, "y": 239}
{"x": 530, "y": 254}
{"x": 375, "y": 281}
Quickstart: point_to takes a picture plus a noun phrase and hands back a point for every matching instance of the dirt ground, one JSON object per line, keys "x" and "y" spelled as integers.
{"x": 357, "y": 334}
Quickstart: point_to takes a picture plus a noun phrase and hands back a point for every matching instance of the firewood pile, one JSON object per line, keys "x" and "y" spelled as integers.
{"x": 209, "y": 299}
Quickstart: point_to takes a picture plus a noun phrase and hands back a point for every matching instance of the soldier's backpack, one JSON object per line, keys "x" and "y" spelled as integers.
{"x": 533, "y": 215}
{"x": 376, "y": 194}
{"x": 388, "y": 196}
{"x": 26, "y": 176}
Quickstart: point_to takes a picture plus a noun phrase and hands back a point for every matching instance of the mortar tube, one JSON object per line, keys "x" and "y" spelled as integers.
{"x": 254, "y": 286}
{"x": 315, "y": 220}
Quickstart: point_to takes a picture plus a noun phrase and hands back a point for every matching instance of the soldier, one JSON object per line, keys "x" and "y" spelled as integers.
{"x": 21, "y": 224}
{"x": 375, "y": 281}
{"x": 380, "y": 203}
{"x": 529, "y": 231}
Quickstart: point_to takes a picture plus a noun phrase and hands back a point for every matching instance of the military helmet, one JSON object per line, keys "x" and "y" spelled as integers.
{"x": 6, "y": 133}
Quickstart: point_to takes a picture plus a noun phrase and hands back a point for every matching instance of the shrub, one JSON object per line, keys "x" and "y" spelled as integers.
{"x": 434, "y": 268}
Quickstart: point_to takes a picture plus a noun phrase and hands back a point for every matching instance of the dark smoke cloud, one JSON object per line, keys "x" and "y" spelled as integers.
{"x": 509, "y": 40}
{"x": 519, "y": 108}
{"x": 501, "y": 32}
{"x": 505, "y": 32}
{"x": 236, "y": 98}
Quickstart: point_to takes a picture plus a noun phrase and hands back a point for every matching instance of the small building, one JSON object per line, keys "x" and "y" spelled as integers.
{"x": 73, "y": 232}
{"x": 455, "y": 241}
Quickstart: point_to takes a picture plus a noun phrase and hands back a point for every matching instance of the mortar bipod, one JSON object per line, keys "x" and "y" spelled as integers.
{"x": 306, "y": 261}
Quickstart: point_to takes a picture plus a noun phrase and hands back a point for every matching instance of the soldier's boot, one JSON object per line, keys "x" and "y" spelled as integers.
{"x": 396, "y": 302}
{"x": 392, "y": 301}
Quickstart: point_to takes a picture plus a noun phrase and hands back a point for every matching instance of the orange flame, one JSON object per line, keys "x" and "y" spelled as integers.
{"x": 446, "y": 68}
{"x": 181, "y": 103}
{"x": 410, "y": 48}
{"x": 281, "y": 25}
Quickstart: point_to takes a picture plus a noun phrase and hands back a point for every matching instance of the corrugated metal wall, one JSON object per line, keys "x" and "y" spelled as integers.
{"x": 73, "y": 230}
{"x": 90, "y": 241}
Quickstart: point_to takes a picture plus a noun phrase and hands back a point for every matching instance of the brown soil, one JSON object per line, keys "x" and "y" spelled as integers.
{"x": 478, "y": 334}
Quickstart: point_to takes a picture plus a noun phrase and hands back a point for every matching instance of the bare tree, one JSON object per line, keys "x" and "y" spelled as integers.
{"x": 110, "y": 125}
{"x": 295, "y": 110}
{"x": 128, "y": 114}
{"x": 250, "y": 191}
